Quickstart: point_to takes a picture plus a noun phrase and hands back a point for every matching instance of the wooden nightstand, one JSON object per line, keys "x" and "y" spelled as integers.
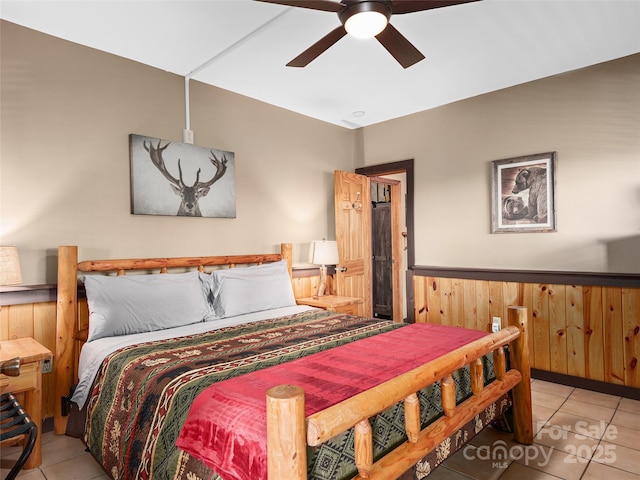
{"x": 29, "y": 381}
{"x": 333, "y": 303}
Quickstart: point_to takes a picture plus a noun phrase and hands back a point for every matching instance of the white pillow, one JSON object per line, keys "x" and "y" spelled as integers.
{"x": 143, "y": 303}
{"x": 236, "y": 291}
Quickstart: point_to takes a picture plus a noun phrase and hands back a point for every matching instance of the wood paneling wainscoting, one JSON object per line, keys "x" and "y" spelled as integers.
{"x": 585, "y": 326}
{"x": 306, "y": 281}
{"x": 30, "y": 311}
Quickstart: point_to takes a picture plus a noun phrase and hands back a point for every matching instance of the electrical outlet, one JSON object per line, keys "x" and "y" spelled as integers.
{"x": 496, "y": 324}
{"x": 47, "y": 365}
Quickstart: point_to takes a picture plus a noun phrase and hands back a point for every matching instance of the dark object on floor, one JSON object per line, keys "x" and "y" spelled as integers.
{"x": 16, "y": 424}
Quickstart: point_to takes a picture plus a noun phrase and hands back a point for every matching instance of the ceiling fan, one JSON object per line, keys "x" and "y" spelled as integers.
{"x": 366, "y": 19}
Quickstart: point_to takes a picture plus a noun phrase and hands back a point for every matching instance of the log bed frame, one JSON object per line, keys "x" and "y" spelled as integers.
{"x": 288, "y": 431}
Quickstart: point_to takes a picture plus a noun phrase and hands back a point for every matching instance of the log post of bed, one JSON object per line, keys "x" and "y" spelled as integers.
{"x": 519, "y": 353}
{"x": 286, "y": 434}
{"x": 66, "y": 320}
{"x": 286, "y": 250}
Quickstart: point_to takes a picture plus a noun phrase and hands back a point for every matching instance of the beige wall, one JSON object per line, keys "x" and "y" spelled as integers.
{"x": 67, "y": 112}
{"x": 591, "y": 117}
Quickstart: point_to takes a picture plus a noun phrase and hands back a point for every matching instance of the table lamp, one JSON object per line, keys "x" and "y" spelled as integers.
{"x": 323, "y": 253}
{"x": 10, "y": 266}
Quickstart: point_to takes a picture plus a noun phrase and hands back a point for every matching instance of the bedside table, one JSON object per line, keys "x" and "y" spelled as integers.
{"x": 29, "y": 381}
{"x": 333, "y": 303}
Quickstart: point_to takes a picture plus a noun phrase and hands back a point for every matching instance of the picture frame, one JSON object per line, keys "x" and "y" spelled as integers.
{"x": 523, "y": 194}
{"x": 180, "y": 179}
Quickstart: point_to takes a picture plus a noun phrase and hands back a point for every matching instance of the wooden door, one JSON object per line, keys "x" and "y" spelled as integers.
{"x": 382, "y": 260}
{"x": 395, "y": 235}
{"x": 353, "y": 234}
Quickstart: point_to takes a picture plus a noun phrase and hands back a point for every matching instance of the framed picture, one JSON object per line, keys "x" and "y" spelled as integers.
{"x": 523, "y": 194}
{"x": 173, "y": 178}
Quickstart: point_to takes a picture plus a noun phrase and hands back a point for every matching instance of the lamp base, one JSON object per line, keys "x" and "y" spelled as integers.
{"x": 323, "y": 282}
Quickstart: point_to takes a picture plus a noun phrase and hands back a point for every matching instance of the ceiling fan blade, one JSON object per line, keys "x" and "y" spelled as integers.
{"x": 410, "y": 6}
{"x": 323, "y": 5}
{"x": 314, "y": 51}
{"x": 399, "y": 47}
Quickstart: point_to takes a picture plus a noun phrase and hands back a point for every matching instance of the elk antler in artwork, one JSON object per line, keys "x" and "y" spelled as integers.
{"x": 188, "y": 194}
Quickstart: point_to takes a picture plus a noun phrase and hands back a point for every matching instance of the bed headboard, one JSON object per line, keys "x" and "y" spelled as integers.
{"x": 70, "y": 335}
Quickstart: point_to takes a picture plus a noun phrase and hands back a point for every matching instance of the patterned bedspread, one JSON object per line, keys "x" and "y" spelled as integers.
{"x": 143, "y": 393}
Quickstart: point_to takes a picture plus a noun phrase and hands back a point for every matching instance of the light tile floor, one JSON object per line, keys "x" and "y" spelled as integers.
{"x": 580, "y": 435}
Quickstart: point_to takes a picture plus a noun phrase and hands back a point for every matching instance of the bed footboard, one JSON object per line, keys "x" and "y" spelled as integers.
{"x": 289, "y": 432}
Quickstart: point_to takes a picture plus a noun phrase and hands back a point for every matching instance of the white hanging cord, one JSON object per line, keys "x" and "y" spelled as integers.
{"x": 187, "y": 134}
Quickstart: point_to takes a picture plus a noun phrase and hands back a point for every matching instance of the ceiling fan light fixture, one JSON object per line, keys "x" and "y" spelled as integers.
{"x": 365, "y": 19}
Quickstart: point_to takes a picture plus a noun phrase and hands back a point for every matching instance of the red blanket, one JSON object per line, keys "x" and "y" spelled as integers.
{"x": 226, "y": 425}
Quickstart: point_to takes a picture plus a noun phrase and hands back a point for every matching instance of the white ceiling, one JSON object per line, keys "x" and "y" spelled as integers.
{"x": 243, "y": 46}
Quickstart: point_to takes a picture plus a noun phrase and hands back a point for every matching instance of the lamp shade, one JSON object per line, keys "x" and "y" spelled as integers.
{"x": 10, "y": 266}
{"x": 323, "y": 252}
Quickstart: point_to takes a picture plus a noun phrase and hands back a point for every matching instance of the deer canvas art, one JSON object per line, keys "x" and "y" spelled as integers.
{"x": 173, "y": 178}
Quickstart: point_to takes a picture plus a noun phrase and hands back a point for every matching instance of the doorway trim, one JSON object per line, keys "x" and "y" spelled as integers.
{"x": 406, "y": 167}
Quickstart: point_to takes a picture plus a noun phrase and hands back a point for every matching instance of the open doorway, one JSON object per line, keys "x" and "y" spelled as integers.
{"x": 384, "y": 175}
{"x": 386, "y": 248}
